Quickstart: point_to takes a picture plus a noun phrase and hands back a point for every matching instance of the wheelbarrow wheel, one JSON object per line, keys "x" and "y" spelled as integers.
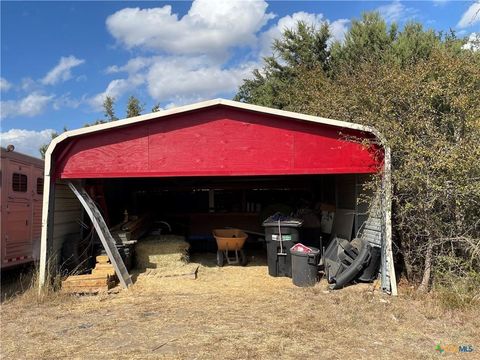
{"x": 243, "y": 258}
{"x": 220, "y": 258}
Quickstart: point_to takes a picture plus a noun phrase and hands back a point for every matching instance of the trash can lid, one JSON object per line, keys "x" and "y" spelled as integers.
{"x": 284, "y": 220}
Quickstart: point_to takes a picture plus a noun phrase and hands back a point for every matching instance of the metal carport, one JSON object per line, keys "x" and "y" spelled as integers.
{"x": 212, "y": 138}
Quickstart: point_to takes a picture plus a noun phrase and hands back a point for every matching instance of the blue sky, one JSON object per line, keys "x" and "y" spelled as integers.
{"x": 60, "y": 59}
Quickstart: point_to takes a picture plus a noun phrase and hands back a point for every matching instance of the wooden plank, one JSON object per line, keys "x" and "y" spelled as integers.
{"x": 102, "y": 259}
{"x": 103, "y": 233}
{"x": 83, "y": 277}
{"x": 87, "y": 290}
{"x": 104, "y": 266}
{"x": 87, "y": 283}
{"x": 103, "y": 272}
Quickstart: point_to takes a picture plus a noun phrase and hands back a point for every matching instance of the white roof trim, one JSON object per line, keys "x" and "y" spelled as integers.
{"x": 197, "y": 106}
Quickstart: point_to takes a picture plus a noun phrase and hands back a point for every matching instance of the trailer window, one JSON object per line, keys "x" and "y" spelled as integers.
{"x": 39, "y": 186}
{"x": 19, "y": 182}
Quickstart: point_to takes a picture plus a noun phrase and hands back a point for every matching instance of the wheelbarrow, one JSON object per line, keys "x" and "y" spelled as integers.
{"x": 230, "y": 241}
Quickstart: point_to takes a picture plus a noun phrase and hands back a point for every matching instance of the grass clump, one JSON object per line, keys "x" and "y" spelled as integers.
{"x": 456, "y": 284}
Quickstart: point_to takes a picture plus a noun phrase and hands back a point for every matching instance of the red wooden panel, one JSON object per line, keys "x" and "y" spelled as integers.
{"x": 332, "y": 152}
{"x": 214, "y": 142}
{"x": 106, "y": 154}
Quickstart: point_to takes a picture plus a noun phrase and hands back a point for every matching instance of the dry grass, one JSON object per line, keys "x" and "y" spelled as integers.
{"x": 231, "y": 313}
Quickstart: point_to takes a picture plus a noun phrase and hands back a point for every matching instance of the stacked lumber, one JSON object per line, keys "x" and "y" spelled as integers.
{"x": 103, "y": 266}
{"x": 101, "y": 279}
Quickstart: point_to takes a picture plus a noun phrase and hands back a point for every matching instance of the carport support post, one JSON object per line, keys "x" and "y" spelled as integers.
{"x": 387, "y": 211}
{"x": 103, "y": 233}
{"x": 47, "y": 231}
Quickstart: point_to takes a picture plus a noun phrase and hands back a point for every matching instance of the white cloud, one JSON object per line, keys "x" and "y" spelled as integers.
{"x": 132, "y": 66}
{"x": 31, "y": 105}
{"x": 176, "y": 79}
{"x": 183, "y": 80}
{"x": 4, "y": 84}
{"x": 209, "y": 27}
{"x": 471, "y": 16}
{"x": 396, "y": 11}
{"x": 26, "y": 141}
{"x": 338, "y": 29}
{"x": 66, "y": 101}
{"x": 116, "y": 88}
{"x": 62, "y": 71}
{"x": 190, "y": 58}
{"x": 473, "y": 42}
{"x": 29, "y": 85}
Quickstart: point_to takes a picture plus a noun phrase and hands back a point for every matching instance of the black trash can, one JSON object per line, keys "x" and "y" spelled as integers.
{"x": 305, "y": 267}
{"x": 280, "y": 236}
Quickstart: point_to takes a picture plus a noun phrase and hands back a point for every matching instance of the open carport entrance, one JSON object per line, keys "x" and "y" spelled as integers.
{"x": 193, "y": 206}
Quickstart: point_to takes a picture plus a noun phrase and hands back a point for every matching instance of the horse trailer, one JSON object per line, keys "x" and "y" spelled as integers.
{"x": 21, "y": 207}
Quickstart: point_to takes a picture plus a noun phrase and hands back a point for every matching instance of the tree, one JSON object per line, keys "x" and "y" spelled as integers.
{"x": 301, "y": 47}
{"x": 368, "y": 39}
{"x": 44, "y": 147}
{"x": 156, "y": 108}
{"x": 134, "y": 107}
{"x": 108, "y": 108}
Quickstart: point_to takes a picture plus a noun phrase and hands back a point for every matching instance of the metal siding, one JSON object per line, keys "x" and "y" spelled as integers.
{"x": 372, "y": 228}
{"x": 67, "y": 213}
{"x": 369, "y": 215}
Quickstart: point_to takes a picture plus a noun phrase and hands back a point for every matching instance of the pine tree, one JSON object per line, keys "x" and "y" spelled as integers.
{"x": 108, "y": 108}
{"x": 134, "y": 107}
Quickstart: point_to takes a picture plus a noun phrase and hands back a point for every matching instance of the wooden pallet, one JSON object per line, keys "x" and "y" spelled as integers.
{"x": 88, "y": 283}
{"x": 103, "y": 267}
{"x": 102, "y": 278}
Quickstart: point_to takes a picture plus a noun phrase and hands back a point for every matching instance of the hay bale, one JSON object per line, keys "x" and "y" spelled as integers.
{"x": 162, "y": 251}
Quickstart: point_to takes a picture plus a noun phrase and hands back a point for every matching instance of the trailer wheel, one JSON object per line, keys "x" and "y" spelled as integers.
{"x": 220, "y": 258}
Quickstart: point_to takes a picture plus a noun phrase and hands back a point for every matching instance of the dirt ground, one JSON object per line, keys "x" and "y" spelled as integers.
{"x": 232, "y": 313}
